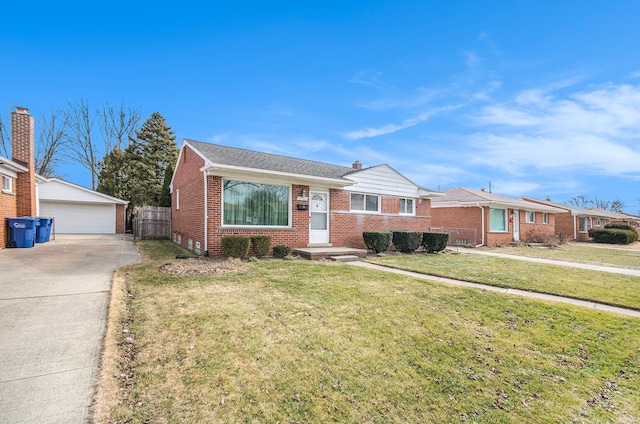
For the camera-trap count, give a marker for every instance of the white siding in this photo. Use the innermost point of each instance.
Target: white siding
(80, 218)
(382, 179)
(57, 190)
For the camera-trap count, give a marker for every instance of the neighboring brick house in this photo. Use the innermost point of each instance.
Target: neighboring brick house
(491, 219)
(75, 209)
(18, 195)
(575, 222)
(220, 190)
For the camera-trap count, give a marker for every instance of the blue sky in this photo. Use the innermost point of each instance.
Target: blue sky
(537, 98)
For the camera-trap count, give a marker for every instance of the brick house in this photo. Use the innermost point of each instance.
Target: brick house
(491, 219)
(219, 190)
(576, 222)
(24, 193)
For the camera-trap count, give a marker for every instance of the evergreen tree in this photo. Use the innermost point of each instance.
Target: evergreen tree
(152, 150)
(165, 195)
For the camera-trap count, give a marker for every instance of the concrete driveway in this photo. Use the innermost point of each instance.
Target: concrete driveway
(53, 306)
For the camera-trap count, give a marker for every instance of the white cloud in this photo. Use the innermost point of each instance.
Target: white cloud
(392, 128)
(595, 131)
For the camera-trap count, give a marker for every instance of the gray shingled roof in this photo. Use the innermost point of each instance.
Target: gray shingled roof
(225, 155)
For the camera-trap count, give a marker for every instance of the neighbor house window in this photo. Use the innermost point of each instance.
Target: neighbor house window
(497, 220)
(582, 224)
(545, 218)
(7, 186)
(255, 204)
(365, 202)
(597, 222)
(530, 217)
(178, 199)
(406, 206)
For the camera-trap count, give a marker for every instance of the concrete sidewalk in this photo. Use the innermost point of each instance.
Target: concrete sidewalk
(602, 268)
(517, 292)
(53, 306)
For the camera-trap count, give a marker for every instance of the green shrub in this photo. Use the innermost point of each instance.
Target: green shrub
(613, 235)
(434, 242)
(623, 226)
(261, 245)
(235, 246)
(377, 241)
(281, 251)
(407, 241)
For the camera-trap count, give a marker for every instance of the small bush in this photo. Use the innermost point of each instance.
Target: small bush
(377, 241)
(281, 251)
(434, 242)
(613, 236)
(261, 245)
(622, 226)
(236, 246)
(407, 241)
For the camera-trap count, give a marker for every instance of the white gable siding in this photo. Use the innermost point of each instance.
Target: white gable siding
(382, 180)
(55, 190)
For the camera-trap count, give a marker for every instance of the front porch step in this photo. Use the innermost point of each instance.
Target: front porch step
(316, 253)
(345, 258)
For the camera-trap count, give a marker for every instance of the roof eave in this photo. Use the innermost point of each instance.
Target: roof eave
(231, 171)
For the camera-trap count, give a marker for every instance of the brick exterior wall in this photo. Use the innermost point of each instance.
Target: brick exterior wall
(345, 227)
(7, 209)
(22, 144)
(120, 219)
(187, 200)
(471, 217)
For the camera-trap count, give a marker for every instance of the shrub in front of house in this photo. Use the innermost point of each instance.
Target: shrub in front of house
(434, 242)
(622, 226)
(407, 241)
(261, 245)
(281, 251)
(377, 241)
(613, 235)
(236, 246)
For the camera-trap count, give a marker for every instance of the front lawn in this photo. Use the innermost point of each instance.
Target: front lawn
(319, 342)
(613, 289)
(590, 253)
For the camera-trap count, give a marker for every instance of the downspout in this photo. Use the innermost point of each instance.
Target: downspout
(206, 216)
(482, 225)
(575, 228)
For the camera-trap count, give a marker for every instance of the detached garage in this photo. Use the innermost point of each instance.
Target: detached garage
(79, 210)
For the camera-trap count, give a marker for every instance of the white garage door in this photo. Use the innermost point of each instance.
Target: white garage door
(80, 218)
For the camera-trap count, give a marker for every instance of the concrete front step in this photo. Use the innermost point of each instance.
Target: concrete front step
(345, 258)
(316, 253)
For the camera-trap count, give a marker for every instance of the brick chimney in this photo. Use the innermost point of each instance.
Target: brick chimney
(357, 165)
(22, 151)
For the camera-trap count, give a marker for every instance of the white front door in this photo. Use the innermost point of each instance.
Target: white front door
(516, 225)
(318, 217)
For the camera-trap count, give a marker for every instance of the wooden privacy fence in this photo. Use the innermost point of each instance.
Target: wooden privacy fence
(152, 222)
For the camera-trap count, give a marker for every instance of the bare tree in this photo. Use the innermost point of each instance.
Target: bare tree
(117, 124)
(5, 141)
(581, 201)
(80, 136)
(617, 206)
(51, 142)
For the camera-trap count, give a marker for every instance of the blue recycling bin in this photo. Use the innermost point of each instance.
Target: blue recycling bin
(21, 231)
(43, 229)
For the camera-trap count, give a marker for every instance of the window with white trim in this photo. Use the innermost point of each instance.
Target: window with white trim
(365, 202)
(255, 204)
(498, 220)
(178, 199)
(545, 218)
(406, 207)
(7, 184)
(530, 217)
(598, 222)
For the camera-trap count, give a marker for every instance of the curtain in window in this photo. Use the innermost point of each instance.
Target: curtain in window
(497, 220)
(255, 204)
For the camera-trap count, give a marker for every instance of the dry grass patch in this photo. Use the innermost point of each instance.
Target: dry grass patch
(301, 341)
